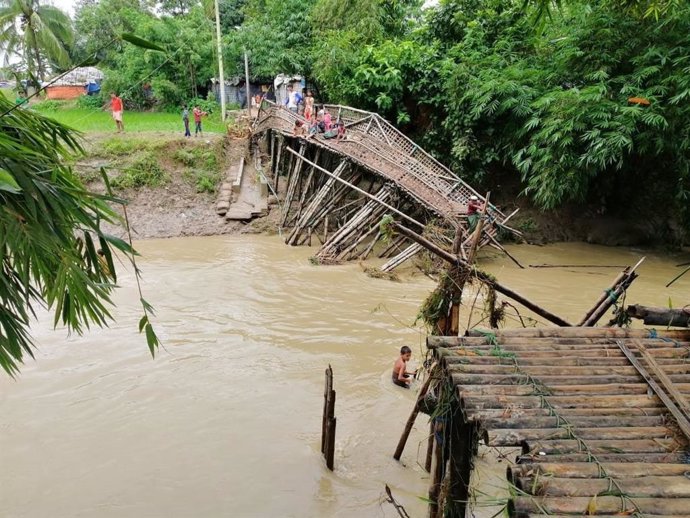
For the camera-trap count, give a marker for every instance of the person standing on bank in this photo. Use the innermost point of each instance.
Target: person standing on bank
(117, 109)
(185, 119)
(197, 120)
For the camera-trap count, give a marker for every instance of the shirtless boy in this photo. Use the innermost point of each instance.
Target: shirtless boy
(401, 377)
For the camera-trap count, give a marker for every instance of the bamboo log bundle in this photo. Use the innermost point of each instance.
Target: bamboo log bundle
(670, 457)
(540, 515)
(512, 412)
(516, 437)
(405, 255)
(647, 487)
(482, 402)
(666, 339)
(596, 446)
(368, 215)
(535, 422)
(524, 506)
(582, 332)
(592, 470)
(607, 389)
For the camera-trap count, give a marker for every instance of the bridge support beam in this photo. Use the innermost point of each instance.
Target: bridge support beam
(364, 220)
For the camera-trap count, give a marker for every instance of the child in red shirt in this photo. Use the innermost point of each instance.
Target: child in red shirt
(197, 120)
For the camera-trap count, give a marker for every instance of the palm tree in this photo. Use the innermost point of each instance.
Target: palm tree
(36, 32)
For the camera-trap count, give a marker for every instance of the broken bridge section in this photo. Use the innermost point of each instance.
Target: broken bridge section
(598, 418)
(338, 190)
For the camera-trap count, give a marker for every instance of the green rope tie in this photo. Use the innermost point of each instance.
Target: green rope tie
(613, 297)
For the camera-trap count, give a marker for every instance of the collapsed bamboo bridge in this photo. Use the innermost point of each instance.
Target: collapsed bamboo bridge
(600, 419)
(339, 190)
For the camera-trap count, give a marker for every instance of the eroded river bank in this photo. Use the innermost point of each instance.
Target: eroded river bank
(226, 420)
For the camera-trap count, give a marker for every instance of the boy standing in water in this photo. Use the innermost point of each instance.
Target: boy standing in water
(401, 377)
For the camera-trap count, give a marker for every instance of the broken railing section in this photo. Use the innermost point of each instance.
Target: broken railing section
(329, 420)
(456, 260)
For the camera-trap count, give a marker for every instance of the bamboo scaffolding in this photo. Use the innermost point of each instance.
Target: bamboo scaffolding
(294, 179)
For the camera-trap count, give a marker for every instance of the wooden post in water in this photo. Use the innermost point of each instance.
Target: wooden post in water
(329, 420)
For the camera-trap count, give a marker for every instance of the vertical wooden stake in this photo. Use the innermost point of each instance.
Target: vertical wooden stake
(329, 421)
(325, 229)
(429, 448)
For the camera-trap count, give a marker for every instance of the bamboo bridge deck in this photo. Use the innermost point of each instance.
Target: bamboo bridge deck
(600, 417)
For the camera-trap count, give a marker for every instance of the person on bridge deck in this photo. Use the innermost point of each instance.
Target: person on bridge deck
(474, 206)
(340, 126)
(313, 127)
(401, 377)
(299, 130)
(308, 106)
(293, 99)
(327, 122)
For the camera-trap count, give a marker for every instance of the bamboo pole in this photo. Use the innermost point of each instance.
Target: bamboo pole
(610, 296)
(314, 205)
(646, 487)
(524, 505)
(659, 316)
(575, 470)
(579, 333)
(293, 179)
(371, 246)
(664, 380)
(482, 276)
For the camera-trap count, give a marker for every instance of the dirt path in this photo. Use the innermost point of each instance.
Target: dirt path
(178, 206)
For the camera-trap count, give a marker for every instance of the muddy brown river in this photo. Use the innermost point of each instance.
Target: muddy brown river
(226, 420)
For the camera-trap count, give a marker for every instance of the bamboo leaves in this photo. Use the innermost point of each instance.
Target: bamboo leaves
(53, 251)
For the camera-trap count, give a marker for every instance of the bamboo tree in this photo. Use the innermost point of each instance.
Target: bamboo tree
(53, 250)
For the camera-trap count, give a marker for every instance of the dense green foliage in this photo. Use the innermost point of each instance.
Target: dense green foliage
(508, 95)
(533, 95)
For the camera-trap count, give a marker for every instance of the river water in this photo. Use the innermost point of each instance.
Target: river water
(226, 420)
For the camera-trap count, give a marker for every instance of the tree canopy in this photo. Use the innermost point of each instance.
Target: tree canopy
(37, 32)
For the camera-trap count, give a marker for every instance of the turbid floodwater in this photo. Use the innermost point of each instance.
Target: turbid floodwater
(226, 420)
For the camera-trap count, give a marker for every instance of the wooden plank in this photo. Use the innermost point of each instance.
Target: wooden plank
(681, 419)
(665, 381)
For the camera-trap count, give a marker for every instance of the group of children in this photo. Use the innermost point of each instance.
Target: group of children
(198, 114)
(319, 122)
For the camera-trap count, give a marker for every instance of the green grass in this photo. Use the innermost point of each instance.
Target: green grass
(86, 120)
